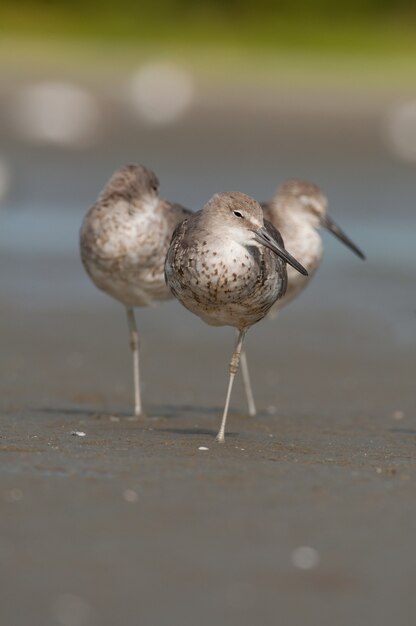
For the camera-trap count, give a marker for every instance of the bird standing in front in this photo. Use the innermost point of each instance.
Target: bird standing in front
(228, 266)
(124, 239)
(298, 210)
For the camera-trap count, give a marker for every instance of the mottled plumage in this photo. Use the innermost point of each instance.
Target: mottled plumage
(298, 211)
(228, 266)
(125, 236)
(222, 281)
(124, 239)
(295, 211)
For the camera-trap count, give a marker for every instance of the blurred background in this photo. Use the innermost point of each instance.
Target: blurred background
(212, 96)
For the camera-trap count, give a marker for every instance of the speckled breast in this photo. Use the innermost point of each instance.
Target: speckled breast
(125, 257)
(235, 286)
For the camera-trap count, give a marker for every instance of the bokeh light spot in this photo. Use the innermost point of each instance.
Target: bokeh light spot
(57, 113)
(401, 131)
(161, 93)
(305, 557)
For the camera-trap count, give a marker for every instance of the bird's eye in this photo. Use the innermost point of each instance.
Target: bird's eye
(238, 214)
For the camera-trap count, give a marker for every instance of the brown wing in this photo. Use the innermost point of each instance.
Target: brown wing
(175, 243)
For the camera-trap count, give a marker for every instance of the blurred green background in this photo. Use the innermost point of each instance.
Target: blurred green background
(313, 23)
(319, 36)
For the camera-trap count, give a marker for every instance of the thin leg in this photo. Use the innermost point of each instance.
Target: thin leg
(234, 363)
(247, 384)
(134, 344)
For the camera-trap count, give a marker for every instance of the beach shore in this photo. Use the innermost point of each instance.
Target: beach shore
(306, 514)
(135, 523)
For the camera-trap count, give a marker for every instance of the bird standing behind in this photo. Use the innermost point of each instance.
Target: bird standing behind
(228, 266)
(298, 210)
(124, 239)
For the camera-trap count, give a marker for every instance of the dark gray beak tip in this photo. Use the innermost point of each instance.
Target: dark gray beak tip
(292, 261)
(329, 224)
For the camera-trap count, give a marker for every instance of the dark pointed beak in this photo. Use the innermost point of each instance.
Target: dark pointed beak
(328, 223)
(263, 237)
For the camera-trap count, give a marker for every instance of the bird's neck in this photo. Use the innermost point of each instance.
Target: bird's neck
(300, 237)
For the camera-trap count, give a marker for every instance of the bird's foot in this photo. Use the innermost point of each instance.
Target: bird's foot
(137, 416)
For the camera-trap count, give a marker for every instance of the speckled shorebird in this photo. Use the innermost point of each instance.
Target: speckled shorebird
(298, 210)
(228, 266)
(124, 239)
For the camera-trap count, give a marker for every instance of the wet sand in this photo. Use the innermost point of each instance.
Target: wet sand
(134, 524)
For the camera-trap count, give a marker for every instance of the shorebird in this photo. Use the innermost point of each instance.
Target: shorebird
(124, 239)
(227, 265)
(298, 210)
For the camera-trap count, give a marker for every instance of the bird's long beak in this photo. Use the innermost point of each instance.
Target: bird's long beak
(328, 223)
(263, 237)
